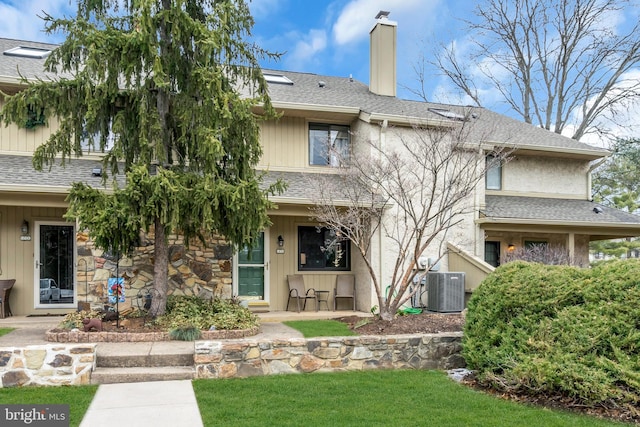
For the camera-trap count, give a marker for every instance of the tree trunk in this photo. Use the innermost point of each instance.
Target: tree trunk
(160, 269)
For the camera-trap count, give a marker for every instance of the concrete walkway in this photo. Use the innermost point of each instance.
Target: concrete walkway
(151, 404)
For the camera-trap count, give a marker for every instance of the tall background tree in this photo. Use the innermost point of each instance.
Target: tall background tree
(164, 77)
(616, 183)
(415, 191)
(559, 64)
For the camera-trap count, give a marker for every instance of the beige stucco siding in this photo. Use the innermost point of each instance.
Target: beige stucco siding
(546, 176)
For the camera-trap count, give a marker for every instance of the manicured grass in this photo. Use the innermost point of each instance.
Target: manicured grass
(5, 331)
(77, 397)
(321, 328)
(366, 398)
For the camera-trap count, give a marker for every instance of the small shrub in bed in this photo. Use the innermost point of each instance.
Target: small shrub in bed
(559, 331)
(192, 311)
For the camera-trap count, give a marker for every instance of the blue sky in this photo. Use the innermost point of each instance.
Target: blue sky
(331, 37)
(319, 36)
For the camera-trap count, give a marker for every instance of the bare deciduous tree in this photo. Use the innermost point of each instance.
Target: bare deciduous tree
(414, 190)
(554, 62)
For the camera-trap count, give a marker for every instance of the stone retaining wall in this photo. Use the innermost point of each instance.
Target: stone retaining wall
(77, 336)
(47, 365)
(246, 358)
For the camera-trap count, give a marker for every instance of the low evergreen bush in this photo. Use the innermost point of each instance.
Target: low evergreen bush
(558, 331)
(192, 311)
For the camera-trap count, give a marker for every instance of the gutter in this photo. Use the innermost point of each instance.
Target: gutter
(548, 222)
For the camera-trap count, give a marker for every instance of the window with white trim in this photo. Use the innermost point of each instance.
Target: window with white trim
(329, 145)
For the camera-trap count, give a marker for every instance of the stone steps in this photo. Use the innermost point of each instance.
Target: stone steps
(141, 374)
(141, 362)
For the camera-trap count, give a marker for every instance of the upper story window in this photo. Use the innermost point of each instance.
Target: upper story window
(28, 52)
(329, 145)
(493, 178)
(320, 248)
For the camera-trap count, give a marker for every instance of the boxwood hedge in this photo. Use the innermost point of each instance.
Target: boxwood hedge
(558, 331)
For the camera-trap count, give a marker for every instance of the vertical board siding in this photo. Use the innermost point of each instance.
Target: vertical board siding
(17, 256)
(284, 143)
(14, 138)
(287, 263)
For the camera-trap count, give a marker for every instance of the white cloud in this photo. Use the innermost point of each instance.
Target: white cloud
(307, 47)
(260, 9)
(20, 18)
(357, 17)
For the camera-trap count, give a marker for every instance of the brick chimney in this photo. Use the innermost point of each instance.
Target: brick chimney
(382, 55)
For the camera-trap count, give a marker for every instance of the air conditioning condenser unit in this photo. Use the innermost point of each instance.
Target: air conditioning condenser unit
(445, 292)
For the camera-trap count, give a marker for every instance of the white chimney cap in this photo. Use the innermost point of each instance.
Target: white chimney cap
(383, 14)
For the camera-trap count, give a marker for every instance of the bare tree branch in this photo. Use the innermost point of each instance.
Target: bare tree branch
(412, 190)
(554, 62)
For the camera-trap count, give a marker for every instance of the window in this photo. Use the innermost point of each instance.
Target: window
(329, 145)
(90, 142)
(35, 117)
(277, 78)
(536, 244)
(28, 52)
(447, 113)
(493, 178)
(320, 248)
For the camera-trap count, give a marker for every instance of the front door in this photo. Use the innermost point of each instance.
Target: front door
(54, 267)
(492, 253)
(251, 278)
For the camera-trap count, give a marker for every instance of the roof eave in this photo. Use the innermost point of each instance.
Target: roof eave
(583, 153)
(555, 223)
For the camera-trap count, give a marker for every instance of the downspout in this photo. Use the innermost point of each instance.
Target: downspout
(382, 143)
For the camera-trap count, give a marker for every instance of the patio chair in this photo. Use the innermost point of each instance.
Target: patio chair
(5, 292)
(345, 288)
(298, 291)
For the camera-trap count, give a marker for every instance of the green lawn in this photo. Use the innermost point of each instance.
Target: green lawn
(321, 328)
(77, 397)
(365, 398)
(5, 331)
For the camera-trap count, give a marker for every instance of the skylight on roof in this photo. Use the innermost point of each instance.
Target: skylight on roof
(277, 78)
(447, 113)
(28, 52)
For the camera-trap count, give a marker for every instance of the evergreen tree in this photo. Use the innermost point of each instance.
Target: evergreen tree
(617, 184)
(177, 83)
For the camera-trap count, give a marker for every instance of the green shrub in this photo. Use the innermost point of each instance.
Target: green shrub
(558, 330)
(185, 333)
(73, 320)
(185, 311)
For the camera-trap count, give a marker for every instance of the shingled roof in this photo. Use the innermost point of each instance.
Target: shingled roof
(552, 212)
(12, 68)
(491, 127)
(328, 91)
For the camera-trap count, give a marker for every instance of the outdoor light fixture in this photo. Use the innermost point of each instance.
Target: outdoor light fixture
(511, 247)
(280, 241)
(24, 228)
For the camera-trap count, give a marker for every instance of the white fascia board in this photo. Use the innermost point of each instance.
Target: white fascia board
(595, 153)
(404, 120)
(551, 222)
(49, 189)
(314, 107)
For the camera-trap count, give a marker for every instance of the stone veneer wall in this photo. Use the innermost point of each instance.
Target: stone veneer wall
(77, 336)
(193, 270)
(47, 365)
(246, 358)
